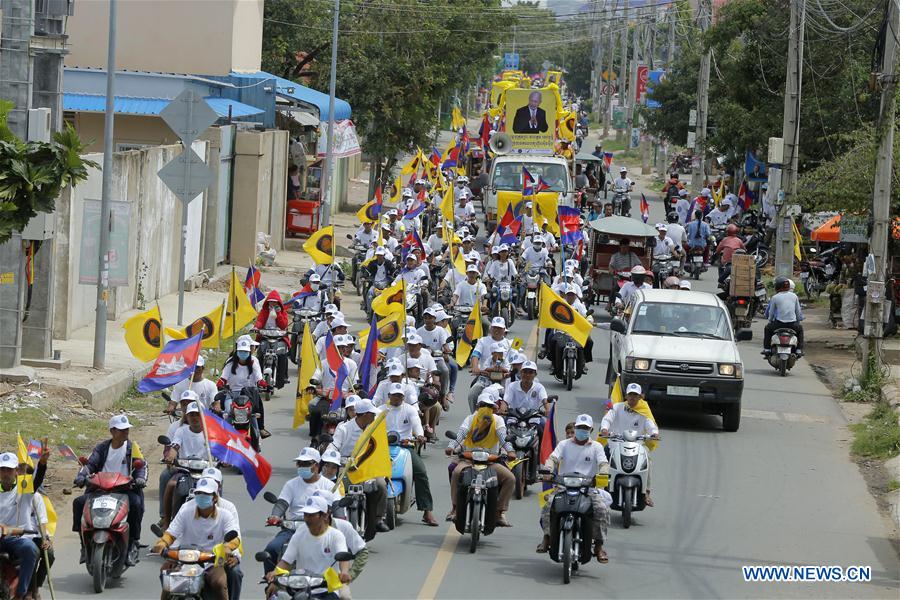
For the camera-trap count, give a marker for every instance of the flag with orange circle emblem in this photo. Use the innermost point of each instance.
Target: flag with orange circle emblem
(320, 246)
(558, 314)
(144, 334)
(210, 325)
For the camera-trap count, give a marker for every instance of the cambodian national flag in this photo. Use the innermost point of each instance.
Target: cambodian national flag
(548, 443)
(745, 196)
(415, 209)
(607, 159)
(338, 368)
(34, 449)
(369, 363)
(413, 241)
(527, 183)
(305, 292)
(645, 208)
(484, 132)
(435, 156)
(508, 227)
(452, 158)
(232, 448)
(175, 363)
(541, 185)
(569, 226)
(251, 286)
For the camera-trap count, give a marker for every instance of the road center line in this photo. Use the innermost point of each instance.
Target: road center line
(439, 567)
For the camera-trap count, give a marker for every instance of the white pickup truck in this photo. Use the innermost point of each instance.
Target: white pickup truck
(506, 175)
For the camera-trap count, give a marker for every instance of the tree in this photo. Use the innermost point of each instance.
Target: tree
(32, 174)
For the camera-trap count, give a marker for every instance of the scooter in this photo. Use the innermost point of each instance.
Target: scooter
(186, 581)
(189, 471)
(104, 526)
(504, 304)
(298, 584)
(629, 464)
(783, 355)
(9, 571)
(477, 495)
(241, 416)
(522, 427)
(571, 523)
(400, 486)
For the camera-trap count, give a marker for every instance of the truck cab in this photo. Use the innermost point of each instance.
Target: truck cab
(506, 176)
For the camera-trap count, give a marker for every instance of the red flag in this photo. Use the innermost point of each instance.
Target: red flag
(232, 448)
(645, 208)
(745, 196)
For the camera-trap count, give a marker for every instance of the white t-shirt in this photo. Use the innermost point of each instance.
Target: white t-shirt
(574, 458)
(622, 184)
(483, 346)
(225, 505)
(244, 375)
(381, 392)
(115, 460)
(205, 389)
(620, 418)
(355, 543)
(677, 234)
(663, 246)
(717, 217)
(345, 437)
(467, 292)
(314, 554)
(190, 444)
(9, 507)
(191, 530)
(296, 491)
(501, 270)
(533, 258)
(532, 399)
(434, 339)
(403, 419)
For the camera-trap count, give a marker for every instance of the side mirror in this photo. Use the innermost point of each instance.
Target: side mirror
(164, 440)
(349, 237)
(166, 396)
(590, 313)
(261, 556)
(270, 497)
(343, 556)
(231, 536)
(618, 325)
(450, 435)
(744, 335)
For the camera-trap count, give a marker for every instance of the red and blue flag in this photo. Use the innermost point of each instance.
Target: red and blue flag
(745, 196)
(484, 132)
(508, 227)
(305, 292)
(175, 363)
(569, 226)
(548, 443)
(607, 159)
(645, 208)
(369, 364)
(338, 368)
(232, 448)
(251, 286)
(435, 156)
(415, 209)
(34, 449)
(66, 452)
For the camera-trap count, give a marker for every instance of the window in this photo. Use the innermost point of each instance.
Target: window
(680, 320)
(508, 176)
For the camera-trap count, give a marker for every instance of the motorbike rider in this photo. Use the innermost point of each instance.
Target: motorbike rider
(324, 326)
(338, 327)
(783, 311)
(675, 231)
(118, 455)
(188, 442)
(355, 544)
(582, 455)
(504, 476)
(624, 185)
(534, 257)
(470, 291)
(683, 207)
(203, 526)
(272, 315)
(329, 274)
(663, 245)
(313, 302)
(345, 437)
(671, 283)
(638, 276)
(720, 214)
(292, 499)
(671, 189)
(330, 465)
(623, 416)
(204, 388)
(436, 339)
(365, 235)
(312, 548)
(729, 244)
(15, 514)
(698, 233)
(502, 270)
(403, 418)
(479, 361)
(465, 211)
(395, 374)
(527, 392)
(242, 375)
(554, 340)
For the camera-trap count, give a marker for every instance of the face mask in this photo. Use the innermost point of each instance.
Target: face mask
(203, 500)
(582, 434)
(243, 354)
(305, 472)
(276, 308)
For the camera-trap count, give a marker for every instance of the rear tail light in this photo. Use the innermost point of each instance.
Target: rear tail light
(785, 339)
(742, 301)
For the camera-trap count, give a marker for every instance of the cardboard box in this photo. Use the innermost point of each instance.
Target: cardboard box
(743, 275)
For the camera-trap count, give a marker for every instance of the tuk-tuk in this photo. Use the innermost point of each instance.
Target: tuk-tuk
(606, 234)
(592, 167)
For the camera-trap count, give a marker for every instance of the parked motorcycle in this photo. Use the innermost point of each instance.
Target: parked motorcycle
(477, 495)
(400, 486)
(629, 464)
(186, 581)
(783, 355)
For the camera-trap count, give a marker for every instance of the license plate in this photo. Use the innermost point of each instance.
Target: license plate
(104, 503)
(696, 259)
(681, 390)
(741, 311)
(804, 275)
(783, 350)
(530, 295)
(760, 293)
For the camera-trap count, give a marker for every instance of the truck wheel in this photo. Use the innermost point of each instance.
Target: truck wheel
(731, 417)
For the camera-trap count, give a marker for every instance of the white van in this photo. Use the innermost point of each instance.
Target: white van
(506, 175)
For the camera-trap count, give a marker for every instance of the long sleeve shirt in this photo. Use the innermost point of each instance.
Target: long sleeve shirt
(784, 307)
(621, 418)
(499, 427)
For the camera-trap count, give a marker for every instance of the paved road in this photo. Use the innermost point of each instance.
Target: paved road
(781, 491)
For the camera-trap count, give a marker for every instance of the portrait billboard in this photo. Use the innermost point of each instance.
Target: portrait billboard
(531, 120)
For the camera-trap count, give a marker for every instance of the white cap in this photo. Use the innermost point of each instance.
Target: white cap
(528, 204)
(442, 315)
(536, 240)
(8, 460)
(685, 284)
(571, 263)
(213, 473)
(529, 365)
(638, 270)
(315, 505)
(682, 192)
(193, 407)
(119, 422)
(414, 338)
(472, 269)
(504, 247)
(430, 311)
(484, 398)
(189, 395)
(338, 321)
(584, 421)
(622, 169)
(331, 309)
(351, 399)
(397, 388)
(498, 322)
(206, 485)
(517, 358)
(498, 347)
(247, 338)
(314, 277)
(200, 360)
(364, 406)
(380, 251)
(343, 340)
(495, 250)
(395, 369)
(331, 456)
(308, 454)
(413, 363)
(243, 345)
(706, 192)
(327, 495)
(662, 227)
(633, 388)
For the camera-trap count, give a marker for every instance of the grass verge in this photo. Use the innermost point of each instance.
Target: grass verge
(879, 435)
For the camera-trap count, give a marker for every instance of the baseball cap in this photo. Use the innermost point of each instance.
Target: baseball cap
(633, 388)
(213, 473)
(193, 407)
(498, 322)
(430, 311)
(503, 247)
(364, 406)
(343, 340)
(314, 505)
(120, 422)
(200, 360)
(314, 278)
(706, 192)
(189, 395)
(584, 421)
(351, 399)
(517, 358)
(338, 321)
(331, 309)
(308, 454)
(207, 485)
(638, 270)
(662, 227)
(682, 192)
(495, 250)
(249, 339)
(243, 345)
(486, 399)
(685, 284)
(331, 456)
(380, 251)
(395, 369)
(8, 460)
(529, 365)
(442, 315)
(623, 169)
(498, 347)
(397, 388)
(413, 363)
(414, 338)
(472, 269)
(326, 495)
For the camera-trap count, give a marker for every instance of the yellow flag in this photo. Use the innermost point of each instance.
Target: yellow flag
(459, 263)
(332, 579)
(642, 408)
(390, 331)
(22, 452)
(52, 518)
(398, 189)
(471, 335)
(413, 165)
(143, 334)
(238, 309)
(558, 314)
(457, 121)
(210, 324)
(483, 430)
(371, 458)
(320, 246)
(447, 206)
(309, 362)
(544, 205)
(390, 300)
(368, 214)
(797, 252)
(544, 495)
(24, 484)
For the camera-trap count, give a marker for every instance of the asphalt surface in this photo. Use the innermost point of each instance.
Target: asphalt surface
(781, 491)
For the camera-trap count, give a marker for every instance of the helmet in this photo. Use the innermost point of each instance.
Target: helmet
(671, 281)
(638, 270)
(732, 229)
(672, 217)
(739, 251)
(781, 283)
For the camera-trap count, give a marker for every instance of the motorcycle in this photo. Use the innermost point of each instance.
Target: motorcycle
(104, 526)
(298, 584)
(570, 371)
(783, 355)
(241, 416)
(187, 580)
(621, 204)
(533, 279)
(629, 464)
(694, 264)
(400, 486)
(360, 509)
(477, 495)
(458, 323)
(9, 571)
(522, 427)
(571, 523)
(302, 317)
(188, 471)
(284, 524)
(664, 266)
(504, 302)
(273, 347)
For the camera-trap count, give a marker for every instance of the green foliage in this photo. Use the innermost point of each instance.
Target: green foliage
(879, 435)
(32, 174)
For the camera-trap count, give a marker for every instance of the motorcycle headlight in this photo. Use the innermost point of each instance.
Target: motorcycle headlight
(188, 556)
(572, 481)
(730, 370)
(480, 456)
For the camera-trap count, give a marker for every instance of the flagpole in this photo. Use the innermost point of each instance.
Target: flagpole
(233, 298)
(43, 532)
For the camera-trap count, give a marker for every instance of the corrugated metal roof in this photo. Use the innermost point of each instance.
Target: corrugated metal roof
(129, 105)
(289, 89)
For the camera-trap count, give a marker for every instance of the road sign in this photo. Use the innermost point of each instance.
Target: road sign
(188, 115)
(511, 60)
(692, 118)
(692, 140)
(186, 175)
(607, 88)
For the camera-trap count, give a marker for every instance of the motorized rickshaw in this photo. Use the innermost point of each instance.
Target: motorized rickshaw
(606, 235)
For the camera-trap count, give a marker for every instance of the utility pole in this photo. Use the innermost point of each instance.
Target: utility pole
(881, 197)
(610, 62)
(704, 14)
(784, 231)
(670, 52)
(632, 74)
(327, 184)
(623, 65)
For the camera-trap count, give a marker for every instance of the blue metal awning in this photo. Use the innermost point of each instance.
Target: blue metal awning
(294, 91)
(130, 105)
